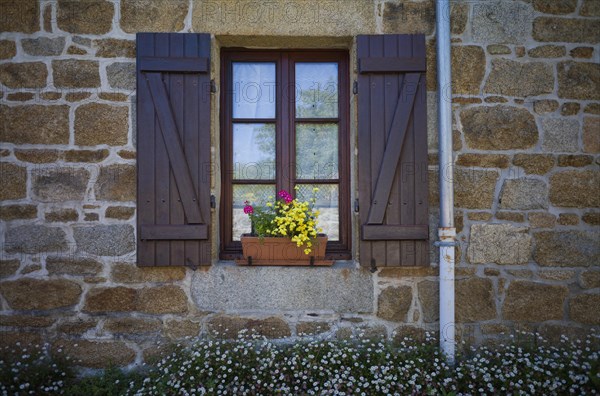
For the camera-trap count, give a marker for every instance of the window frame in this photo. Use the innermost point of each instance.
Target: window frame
(285, 121)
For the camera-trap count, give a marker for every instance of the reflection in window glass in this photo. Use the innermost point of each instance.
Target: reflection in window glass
(254, 151)
(317, 151)
(257, 195)
(328, 205)
(254, 90)
(316, 90)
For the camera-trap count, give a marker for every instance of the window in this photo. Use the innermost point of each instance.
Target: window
(284, 124)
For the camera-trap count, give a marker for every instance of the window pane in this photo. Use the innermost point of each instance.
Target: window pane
(257, 195)
(317, 151)
(254, 151)
(254, 90)
(328, 205)
(316, 90)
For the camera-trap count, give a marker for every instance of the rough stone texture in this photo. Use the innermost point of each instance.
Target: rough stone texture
(468, 64)
(468, 180)
(222, 288)
(533, 302)
(499, 128)
(85, 17)
(162, 299)
(72, 266)
(10, 338)
(429, 299)
(376, 333)
(592, 218)
(522, 79)
(37, 156)
(568, 219)
(43, 46)
(74, 73)
(524, 194)
(130, 273)
(570, 108)
(499, 244)
(475, 300)
(20, 96)
(8, 49)
(555, 6)
(76, 327)
(95, 354)
(311, 328)
(14, 181)
(538, 164)
(91, 217)
(121, 75)
(8, 268)
(560, 135)
(547, 51)
(542, 220)
(228, 327)
(409, 332)
(62, 215)
(501, 22)
(59, 184)
(101, 124)
(36, 294)
(86, 155)
(575, 161)
(590, 279)
(177, 329)
(557, 275)
(584, 308)
(483, 160)
(566, 30)
(545, 106)
(77, 96)
(582, 52)
(132, 325)
(459, 15)
(113, 97)
(34, 239)
(105, 240)
(50, 95)
(74, 50)
(119, 212)
(115, 48)
(23, 75)
(153, 15)
(26, 321)
(498, 49)
(566, 248)
(116, 183)
(110, 299)
(575, 189)
(590, 8)
(13, 212)
(394, 302)
(409, 17)
(591, 135)
(517, 217)
(579, 80)
(479, 216)
(20, 16)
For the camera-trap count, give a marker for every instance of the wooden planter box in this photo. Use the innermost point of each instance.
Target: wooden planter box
(282, 251)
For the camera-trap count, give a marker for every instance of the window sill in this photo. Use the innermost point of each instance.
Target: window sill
(337, 264)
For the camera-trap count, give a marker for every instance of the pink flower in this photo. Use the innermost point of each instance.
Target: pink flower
(286, 196)
(248, 209)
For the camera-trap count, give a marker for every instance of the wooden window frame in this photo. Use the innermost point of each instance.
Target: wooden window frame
(285, 138)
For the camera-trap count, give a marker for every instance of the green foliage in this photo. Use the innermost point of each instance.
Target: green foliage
(113, 381)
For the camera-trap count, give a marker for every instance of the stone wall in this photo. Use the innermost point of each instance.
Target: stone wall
(526, 83)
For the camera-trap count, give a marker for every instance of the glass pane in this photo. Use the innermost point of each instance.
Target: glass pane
(254, 151)
(257, 195)
(328, 205)
(254, 90)
(316, 90)
(317, 151)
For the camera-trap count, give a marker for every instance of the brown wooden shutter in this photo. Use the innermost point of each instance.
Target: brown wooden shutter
(392, 150)
(173, 149)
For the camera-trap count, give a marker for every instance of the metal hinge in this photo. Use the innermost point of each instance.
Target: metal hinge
(355, 87)
(213, 86)
(213, 202)
(356, 206)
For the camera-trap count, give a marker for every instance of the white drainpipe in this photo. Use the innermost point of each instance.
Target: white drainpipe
(446, 230)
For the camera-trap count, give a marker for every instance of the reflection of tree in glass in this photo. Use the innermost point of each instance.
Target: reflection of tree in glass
(261, 169)
(317, 151)
(319, 101)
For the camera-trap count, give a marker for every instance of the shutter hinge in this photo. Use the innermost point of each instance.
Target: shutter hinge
(213, 86)
(190, 264)
(355, 87)
(373, 266)
(213, 202)
(356, 206)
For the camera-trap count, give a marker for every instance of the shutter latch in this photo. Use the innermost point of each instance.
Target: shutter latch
(213, 86)
(355, 87)
(213, 202)
(356, 206)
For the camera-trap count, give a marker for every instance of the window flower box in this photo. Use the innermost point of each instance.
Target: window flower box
(282, 251)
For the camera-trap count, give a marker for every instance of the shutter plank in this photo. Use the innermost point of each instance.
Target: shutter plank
(394, 232)
(391, 64)
(174, 63)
